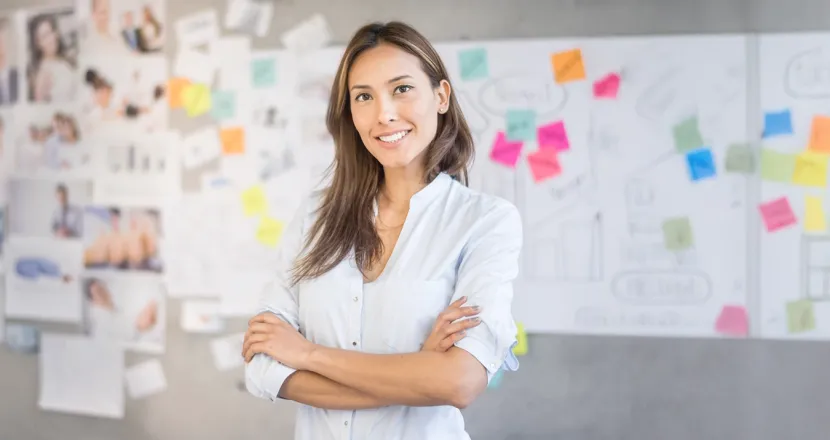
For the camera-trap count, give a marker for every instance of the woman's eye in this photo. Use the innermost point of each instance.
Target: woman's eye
(361, 97)
(403, 89)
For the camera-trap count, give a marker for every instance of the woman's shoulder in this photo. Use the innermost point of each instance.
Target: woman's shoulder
(478, 204)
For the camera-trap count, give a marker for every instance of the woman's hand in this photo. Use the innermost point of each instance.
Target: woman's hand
(272, 336)
(446, 332)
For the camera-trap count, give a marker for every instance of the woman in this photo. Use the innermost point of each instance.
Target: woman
(369, 265)
(52, 74)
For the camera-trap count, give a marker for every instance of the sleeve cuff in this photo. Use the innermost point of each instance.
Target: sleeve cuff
(488, 357)
(264, 377)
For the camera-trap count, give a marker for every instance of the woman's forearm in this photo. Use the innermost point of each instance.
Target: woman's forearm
(312, 389)
(424, 378)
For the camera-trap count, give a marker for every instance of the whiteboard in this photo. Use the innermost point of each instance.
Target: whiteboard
(595, 259)
(794, 263)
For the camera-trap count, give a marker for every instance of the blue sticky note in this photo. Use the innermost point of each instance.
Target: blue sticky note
(496, 380)
(778, 123)
(264, 72)
(223, 105)
(473, 64)
(521, 125)
(701, 164)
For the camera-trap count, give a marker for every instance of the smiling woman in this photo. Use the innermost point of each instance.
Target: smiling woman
(394, 285)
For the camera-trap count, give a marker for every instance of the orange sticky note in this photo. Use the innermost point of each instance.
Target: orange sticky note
(820, 135)
(233, 140)
(568, 66)
(174, 91)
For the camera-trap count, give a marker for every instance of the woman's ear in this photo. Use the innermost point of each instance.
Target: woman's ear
(443, 93)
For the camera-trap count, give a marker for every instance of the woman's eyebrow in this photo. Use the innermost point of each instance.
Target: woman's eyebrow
(397, 78)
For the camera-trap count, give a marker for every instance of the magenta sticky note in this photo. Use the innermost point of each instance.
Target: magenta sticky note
(732, 321)
(544, 164)
(607, 86)
(506, 152)
(553, 136)
(777, 214)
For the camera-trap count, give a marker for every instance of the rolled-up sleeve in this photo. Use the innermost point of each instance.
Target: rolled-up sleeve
(263, 375)
(488, 266)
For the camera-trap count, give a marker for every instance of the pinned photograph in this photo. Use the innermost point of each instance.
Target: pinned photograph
(42, 279)
(48, 209)
(6, 151)
(122, 240)
(10, 76)
(48, 141)
(124, 93)
(118, 28)
(127, 308)
(52, 43)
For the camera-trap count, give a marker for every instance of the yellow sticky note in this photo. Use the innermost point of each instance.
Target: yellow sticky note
(810, 169)
(814, 219)
(269, 231)
(254, 201)
(196, 99)
(521, 340)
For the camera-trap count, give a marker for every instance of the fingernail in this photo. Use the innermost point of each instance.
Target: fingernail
(462, 333)
(476, 308)
(477, 320)
(464, 298)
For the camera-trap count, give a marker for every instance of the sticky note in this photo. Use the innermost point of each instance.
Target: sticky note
(607, 86)
(814, 218)
(521, 125)
(568, 66)
(175, 87)
(495, 381)
(810, 169)
(820, 134)
(196, 99)
(701, 164)
(520, 349)
(254, 201)
(687, 135)
(778, 123)
(739, 159)
(269, 231)
(732, 321)
(264, 72)
(776, 166)
(544, 164)
(777, 214)
(554, 136)
(506, 152)
(800, 316)
(233, 140)
(224, 105)
(473, 64)
(677, 234)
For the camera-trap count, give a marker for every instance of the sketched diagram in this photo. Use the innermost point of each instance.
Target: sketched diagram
(572, 251)
(815, 268)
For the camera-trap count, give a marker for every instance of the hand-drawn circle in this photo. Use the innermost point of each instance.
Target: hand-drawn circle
(523, 90)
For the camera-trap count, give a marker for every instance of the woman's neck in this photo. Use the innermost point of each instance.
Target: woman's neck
(400, 185)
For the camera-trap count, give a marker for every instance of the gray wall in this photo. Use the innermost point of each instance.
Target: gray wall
(569, 387)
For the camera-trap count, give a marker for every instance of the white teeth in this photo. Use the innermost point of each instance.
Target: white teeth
(393, 137)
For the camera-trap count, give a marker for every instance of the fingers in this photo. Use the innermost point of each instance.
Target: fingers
(254, 349)
(460, 326)
(260, 327)
(459, 301)
(449, 341)
(455, 314)
(251, 341)
(266, 317)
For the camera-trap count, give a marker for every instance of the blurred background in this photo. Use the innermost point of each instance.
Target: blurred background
(669, 159)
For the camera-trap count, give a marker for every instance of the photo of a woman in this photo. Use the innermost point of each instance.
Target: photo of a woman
(49, 140)
(52, 47)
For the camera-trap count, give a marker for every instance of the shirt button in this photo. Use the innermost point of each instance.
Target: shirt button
(492, 365)
(355, 299)
(346, 423)
(354, 343)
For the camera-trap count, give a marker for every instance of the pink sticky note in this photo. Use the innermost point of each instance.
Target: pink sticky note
(607, 86)
(553, 136)
(544, 164)
(732, 321)
(777, 214)
(506, 152)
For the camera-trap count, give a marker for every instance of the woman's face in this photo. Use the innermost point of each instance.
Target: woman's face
(65, 130)
(101, 15)
(99, 295)
(102, 96)
(47, 39)
(394, 107)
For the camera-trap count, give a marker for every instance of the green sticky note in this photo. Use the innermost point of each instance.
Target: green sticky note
(521, 125)
(224, 105)
(677, 234)
(264, 72)
(800, 316)
(687, 135)
(739, 159)
(777, 167)
(473, 64)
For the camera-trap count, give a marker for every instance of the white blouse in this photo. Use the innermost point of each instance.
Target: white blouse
(455, 242)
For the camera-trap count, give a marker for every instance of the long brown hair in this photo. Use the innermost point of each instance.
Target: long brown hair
(345, 216)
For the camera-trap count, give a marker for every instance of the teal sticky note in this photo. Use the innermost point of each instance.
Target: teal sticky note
(496, 380)
(687, 135)
(473, 64)
(264, 72)
(521, 125)
(223, 105)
